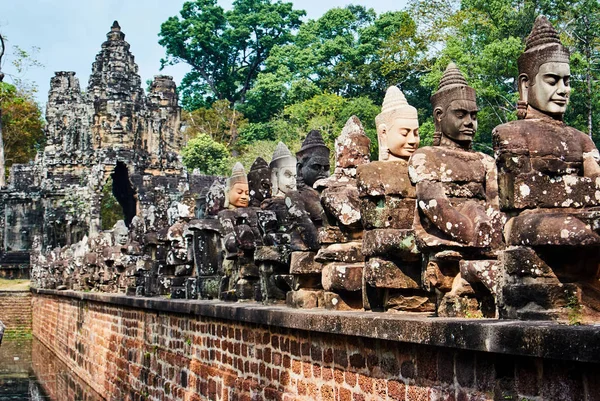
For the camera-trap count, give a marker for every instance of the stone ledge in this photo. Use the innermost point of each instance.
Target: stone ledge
(536, 339)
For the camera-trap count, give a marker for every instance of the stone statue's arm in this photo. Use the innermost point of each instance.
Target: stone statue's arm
(591, 168)
(491, 181)
(433, 202)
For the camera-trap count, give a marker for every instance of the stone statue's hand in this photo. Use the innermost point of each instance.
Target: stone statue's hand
(590, 165)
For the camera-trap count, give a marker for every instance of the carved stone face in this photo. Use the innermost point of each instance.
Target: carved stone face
(549, 90)
(286, 179)
(238, 195)
(403, 137)
(121, 236)
(459, 121)
(314, 168)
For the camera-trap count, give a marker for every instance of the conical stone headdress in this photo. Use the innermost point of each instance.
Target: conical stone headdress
(238, 174)
(259, 164)
(541, 46)
(313, 145)
(453, 86)
(282, 157)
(395, 106)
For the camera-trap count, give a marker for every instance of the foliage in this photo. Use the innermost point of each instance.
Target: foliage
(226, 49)
(110, 209)
(349, 52)
(220, 121)
(207, 155)
(22, 124)
(260, 148)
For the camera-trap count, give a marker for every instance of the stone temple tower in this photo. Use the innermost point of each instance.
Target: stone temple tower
(112, 132)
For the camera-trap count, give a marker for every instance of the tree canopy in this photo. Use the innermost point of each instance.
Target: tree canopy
(226, 49)
(315, 74)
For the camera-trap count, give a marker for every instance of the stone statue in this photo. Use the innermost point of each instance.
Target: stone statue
(457, 194)
(259, 182)
(313, 160)
(237, 188)
(283, 171)
(547, 183)
(397, 127)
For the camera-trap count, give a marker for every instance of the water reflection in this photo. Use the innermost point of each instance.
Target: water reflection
(31, 372)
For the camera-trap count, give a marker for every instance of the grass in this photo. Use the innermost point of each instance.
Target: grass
(14, 285)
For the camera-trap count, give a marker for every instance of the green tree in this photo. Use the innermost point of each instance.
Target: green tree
(226, 49)
(207, 155)
(22, 124)
(220, 121)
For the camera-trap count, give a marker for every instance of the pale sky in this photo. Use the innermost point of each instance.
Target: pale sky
(69, 32)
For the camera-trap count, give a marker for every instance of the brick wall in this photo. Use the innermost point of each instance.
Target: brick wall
(15, 311)
(141, 353)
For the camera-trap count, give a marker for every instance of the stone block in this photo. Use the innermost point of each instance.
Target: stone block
(401, 300)
(533, 190)
(391, 242)
(443, 164)
(549, 228)
(383, 273)
(277, 253)
(334, 234)
(525, 262)
(334, 301)
(178, 292)
(348, 252)
(191, 288)
(537, 297)
(487, 272)
(381, 178)
(342, 203)
(342, 277)
(440, 274)
(304, 263)
(387, 212)
(305, 299)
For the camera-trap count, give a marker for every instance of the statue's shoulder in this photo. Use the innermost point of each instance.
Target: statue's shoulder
(512, 134)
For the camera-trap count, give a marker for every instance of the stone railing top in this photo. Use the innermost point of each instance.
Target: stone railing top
(538, 339)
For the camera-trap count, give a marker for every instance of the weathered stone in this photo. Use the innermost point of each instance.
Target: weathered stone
(305, 299)
(440, 275)
(342, 276)
(484, 271)
(341, 202)
(396, 300)
(352, 145)
(383, 273)
(333, 234)
(334, 301)
(542, 228)
(278, 254)
(388, 242)
(385, 178)
(304, 263)
(341, 252)
(387, 212)
(209, 287)
(525, 262)
(544, 191)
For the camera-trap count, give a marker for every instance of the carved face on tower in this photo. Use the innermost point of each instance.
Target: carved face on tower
(397, 127)
(237, 188)
(120, 233)
(313, 159)
(283, 170)
(544, 72)
(454, 110)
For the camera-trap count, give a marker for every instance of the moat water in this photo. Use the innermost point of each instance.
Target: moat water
(31, 372)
